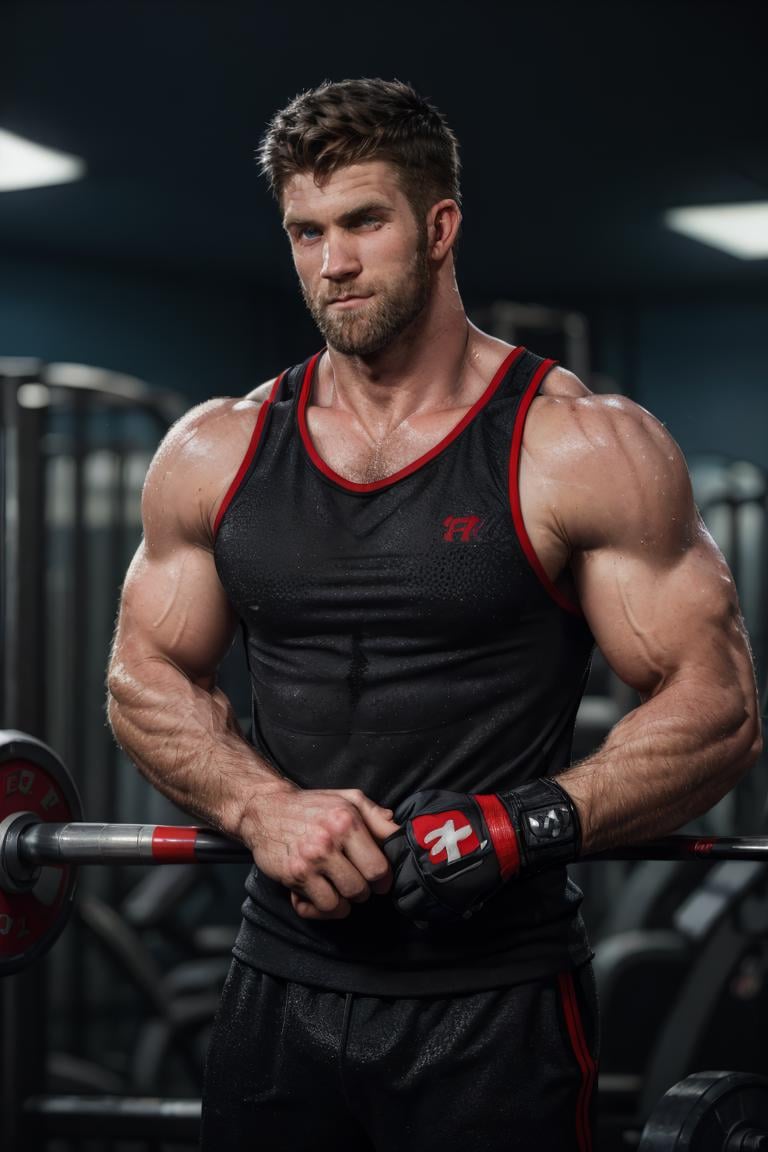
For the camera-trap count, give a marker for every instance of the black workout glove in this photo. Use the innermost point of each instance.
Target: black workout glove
(454, 851)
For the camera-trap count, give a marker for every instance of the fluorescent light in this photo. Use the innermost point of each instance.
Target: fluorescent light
(24, 164)
(739, 229)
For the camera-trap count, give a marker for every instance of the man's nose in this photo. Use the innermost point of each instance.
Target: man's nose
(340, 260)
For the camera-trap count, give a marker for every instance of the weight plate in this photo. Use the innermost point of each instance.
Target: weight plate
(709, 1112)
(34, 780)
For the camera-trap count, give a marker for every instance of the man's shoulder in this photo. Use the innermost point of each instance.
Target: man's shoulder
(215, 419)
(263, 391)
(612, 467)
(560, 382)
(569, 419)
(217, 427)
(200, 456)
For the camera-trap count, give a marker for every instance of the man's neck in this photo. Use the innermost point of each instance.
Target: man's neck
(424, 370)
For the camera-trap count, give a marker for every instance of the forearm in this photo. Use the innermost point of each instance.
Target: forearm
(664, 764)
(186, 740)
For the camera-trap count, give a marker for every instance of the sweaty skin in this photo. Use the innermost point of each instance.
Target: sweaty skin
(607, 503)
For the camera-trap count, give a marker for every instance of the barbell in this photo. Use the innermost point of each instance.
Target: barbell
(42, 840)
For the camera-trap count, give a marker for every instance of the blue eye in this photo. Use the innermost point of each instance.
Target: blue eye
(308, 232)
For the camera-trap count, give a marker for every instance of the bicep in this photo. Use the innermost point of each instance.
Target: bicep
(659, 617)
(174, 609)
(651, 581)
(173, 606)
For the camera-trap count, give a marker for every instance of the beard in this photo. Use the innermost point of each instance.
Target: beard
(380, 320)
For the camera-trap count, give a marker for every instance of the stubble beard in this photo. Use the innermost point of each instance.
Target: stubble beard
(381, 320)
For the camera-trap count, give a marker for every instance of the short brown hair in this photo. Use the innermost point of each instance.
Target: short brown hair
(353, 121)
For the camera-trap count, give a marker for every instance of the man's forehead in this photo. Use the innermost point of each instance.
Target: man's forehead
(374, 179)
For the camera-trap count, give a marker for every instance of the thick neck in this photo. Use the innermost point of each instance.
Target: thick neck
(425, 369)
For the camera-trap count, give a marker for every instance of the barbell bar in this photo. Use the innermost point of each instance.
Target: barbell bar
(38, 843)
(42, 840)
(29, 843)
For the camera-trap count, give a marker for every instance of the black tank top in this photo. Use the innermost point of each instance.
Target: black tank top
(403, 635)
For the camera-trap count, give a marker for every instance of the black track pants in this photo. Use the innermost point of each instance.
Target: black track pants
(299, 1069)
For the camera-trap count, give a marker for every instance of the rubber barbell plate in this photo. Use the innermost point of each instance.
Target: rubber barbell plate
(709, 1112)
(34, 780)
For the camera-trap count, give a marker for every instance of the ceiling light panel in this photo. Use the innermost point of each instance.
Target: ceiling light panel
(24, 164)
(739, 229)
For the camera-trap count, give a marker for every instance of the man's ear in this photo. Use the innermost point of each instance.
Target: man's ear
(443, 223)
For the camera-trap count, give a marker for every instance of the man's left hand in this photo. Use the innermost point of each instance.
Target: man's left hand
(455, 850)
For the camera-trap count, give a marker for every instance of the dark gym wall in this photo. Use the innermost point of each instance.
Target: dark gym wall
(199, 335)
(579, 125)
(702, 368)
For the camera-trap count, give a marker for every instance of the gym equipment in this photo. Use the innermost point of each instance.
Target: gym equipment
(34, 786)
(41, 839)
(711, 1018)
(707, 999)
(710, 1112)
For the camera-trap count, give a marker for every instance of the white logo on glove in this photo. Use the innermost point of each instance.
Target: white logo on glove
(551, 826)
(447, 839)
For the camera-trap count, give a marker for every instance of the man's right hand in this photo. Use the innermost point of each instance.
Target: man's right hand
(323, 845)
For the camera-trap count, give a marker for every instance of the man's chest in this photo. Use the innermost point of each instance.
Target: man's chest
(355, 458)
(368, 457)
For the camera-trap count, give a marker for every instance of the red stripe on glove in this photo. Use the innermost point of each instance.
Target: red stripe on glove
(502, 833)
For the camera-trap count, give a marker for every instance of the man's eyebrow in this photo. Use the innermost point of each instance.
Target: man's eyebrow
(371, 207)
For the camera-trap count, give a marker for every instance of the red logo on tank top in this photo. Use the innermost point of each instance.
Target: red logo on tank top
(447, 836)
(462, 528)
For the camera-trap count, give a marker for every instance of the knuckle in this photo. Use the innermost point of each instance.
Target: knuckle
(298, 874)
(377, 872)
(322, 844)
(343, 820)
(314, 851)
(360, 893)
(326, 901)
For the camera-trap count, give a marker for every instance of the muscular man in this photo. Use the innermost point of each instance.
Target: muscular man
(420, 531)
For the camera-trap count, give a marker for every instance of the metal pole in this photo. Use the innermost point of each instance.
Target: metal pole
(682, 847)
(118, 1117)
(79, 843)
(125, 844)
(23, 995)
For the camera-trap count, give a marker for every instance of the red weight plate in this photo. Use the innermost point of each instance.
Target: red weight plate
(32, 779)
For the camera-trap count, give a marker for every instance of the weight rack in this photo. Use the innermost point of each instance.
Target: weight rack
(34, 396)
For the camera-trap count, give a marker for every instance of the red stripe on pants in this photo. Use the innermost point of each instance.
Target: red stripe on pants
(582, 1053)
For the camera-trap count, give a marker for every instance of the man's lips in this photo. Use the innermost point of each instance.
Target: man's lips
(346, 301)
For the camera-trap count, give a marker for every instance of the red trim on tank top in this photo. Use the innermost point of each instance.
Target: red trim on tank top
(409, 469)
(249, 455)
(514, 491)
(586, 1063)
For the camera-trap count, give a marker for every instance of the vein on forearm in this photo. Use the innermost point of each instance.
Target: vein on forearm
(186, 740)
(663, 764)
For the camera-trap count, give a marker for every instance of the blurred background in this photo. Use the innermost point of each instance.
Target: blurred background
(151, 273)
